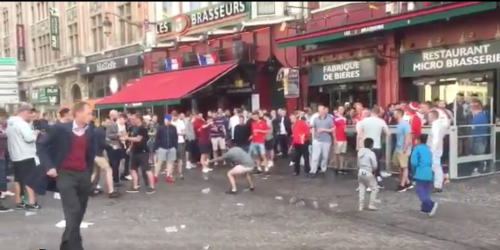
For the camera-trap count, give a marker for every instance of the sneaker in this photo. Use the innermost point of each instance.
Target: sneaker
(270, 164)
(385, 174)
(33, 207)
(410, 186)
(437, 190)
(291, 164)
(128, 177)
(114, 195)
(133, 190)
(368, 189)
(169, 179)
(150, 190)
(401, 189)
(189, 165)
(20, 206)
(379, 179)
(434, 209)
(372, 208)
(231, 192)
(206, 170)
(380, 186)
(361, 208)
(4, 209)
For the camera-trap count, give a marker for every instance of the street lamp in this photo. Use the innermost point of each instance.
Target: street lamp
(107, 26)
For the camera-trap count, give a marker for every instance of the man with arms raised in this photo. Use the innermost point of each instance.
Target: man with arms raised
(68, 153)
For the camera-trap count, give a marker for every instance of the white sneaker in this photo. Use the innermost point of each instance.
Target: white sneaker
(291, 164)
(361, 207)
(216, 163)
(207, 170)
(368, 190)
(385, 174)
(8, 193)
(270, 164)
(57, 196)
(128, 177)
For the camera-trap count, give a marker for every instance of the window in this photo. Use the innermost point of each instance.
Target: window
(266, 8)
(19, 14)
(190, 6)
(126, 29)
(32, 14)
(97, 32)
(333, 4)
(6, 52)
(34, 51)
(5, 18)
(70, 4)
(168, 9)
(73, 39)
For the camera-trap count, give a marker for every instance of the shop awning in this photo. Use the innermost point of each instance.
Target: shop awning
(411, 18)
(166, 87)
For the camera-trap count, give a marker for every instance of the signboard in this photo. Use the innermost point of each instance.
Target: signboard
(9, 87)
(21, 46)
(180, 24)
(112, 64)
(54, 28)
(290, 78)
(470, 57)
(218, 12)
(47, 95)
(343, 72)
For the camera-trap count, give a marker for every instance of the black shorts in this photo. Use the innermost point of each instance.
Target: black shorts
(204, 148)
(140, 160)
(23, 169)
(269, 144)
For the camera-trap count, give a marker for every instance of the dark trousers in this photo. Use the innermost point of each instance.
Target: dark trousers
(301, 151)
(282, 141)
(126, 168)
(410, 170)
(114, 162)
(424, 191)
(74, 188)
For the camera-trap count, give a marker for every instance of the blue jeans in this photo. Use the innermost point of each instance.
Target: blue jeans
(424, 191)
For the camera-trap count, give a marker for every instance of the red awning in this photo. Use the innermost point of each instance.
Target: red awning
(166, 87)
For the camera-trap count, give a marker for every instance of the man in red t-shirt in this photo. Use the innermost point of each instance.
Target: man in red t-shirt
(300, 142)
(340, 146)
(202, 132)
(258, 130)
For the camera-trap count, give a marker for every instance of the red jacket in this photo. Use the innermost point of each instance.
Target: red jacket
(415, 126)
(299, 129)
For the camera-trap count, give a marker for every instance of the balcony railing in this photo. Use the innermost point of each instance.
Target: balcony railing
(363, 12)
(242, 52)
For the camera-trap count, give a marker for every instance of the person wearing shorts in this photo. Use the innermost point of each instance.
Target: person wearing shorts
(102, 162)
(181, 142)
(402, 149)
(340, 143)
(166, 148)
(243, 165)
(202, 131)
(218, 135)
(21, 141)
(139, 155)
(257, 149)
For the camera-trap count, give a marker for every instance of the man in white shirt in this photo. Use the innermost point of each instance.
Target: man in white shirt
(235, 120)
(372, 127)
(181, 142)
(435, 143)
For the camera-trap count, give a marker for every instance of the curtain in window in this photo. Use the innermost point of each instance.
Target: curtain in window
(167, 9)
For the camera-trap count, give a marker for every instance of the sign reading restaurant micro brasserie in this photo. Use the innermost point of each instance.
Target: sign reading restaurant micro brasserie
(449, 60)
(343, 72)
(180, 23)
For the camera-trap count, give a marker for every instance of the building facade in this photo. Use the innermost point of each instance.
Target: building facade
(230, 31)
(61, 47)
(380, 53)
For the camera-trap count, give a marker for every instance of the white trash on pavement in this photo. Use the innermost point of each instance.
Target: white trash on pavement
(172, 229)
(205, 190)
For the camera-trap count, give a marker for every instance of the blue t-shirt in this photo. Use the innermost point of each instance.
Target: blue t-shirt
(402, 129)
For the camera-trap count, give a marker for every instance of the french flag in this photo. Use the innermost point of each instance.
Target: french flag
(172, 64)
(208, 59)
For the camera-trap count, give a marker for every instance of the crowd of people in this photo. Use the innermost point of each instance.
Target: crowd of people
(60, 155)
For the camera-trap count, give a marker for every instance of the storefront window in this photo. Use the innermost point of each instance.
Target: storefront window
(99, 84)
(447, 89)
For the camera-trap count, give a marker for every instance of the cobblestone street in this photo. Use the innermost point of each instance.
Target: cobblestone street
(284, 212)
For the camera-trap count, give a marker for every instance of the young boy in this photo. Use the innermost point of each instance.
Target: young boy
(367, 163)
(421, 163)
(243, 165)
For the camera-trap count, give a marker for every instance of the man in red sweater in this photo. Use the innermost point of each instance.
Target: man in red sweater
(416, 129)
(68, 152)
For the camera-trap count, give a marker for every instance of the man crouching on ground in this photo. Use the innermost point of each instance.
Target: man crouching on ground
(243, 165)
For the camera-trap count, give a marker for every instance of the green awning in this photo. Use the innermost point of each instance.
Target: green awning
(403, 20)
